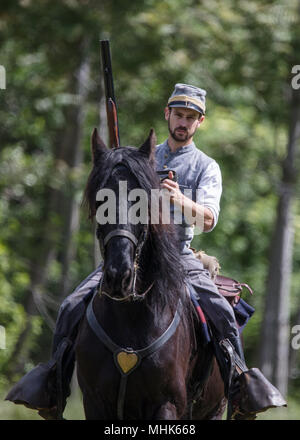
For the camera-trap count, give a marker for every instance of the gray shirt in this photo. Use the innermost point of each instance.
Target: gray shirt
(199, 178)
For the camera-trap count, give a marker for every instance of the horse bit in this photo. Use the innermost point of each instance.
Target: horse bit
(139, 243)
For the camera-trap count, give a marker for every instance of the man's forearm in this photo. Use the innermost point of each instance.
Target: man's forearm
(199, 213)
(194, 212)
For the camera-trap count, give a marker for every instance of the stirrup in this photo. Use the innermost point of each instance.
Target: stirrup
(236, 364)
(256, 395)
(234, 358)
(249, 392)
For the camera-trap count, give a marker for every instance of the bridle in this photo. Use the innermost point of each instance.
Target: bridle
(139, 243)
(128, 359)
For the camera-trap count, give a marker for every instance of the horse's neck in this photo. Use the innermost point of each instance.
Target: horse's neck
(145, 274)
(131, 324)
(165, 292)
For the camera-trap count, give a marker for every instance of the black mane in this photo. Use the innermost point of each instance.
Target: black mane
(162, 247)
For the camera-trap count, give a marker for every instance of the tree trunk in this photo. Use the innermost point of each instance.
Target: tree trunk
(72, 158)
(274, 350)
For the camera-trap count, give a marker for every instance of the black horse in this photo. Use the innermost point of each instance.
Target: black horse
(139, 350)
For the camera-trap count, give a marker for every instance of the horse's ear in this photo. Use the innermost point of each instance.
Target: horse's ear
(98, 146)
(149, 146)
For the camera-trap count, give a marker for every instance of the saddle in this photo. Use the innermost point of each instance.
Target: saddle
(228, 287)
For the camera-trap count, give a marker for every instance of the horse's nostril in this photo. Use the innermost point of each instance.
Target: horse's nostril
(110, 275)
(117, 280)
(126, 279)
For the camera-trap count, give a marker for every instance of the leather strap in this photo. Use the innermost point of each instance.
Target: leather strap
(106, 340)
(165, 336)
(115, 349)
(98, 330)
(234, 362)
(120, 233)
(121, 397)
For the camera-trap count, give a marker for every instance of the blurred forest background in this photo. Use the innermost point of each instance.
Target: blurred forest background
(243, 54)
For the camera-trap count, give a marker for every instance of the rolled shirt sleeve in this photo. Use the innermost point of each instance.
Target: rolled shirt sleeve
(209, 190)
(199, 178)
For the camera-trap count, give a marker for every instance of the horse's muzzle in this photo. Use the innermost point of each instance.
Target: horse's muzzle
(117, 281)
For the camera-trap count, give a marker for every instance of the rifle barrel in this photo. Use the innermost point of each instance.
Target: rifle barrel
(107, 70)
(109, 91)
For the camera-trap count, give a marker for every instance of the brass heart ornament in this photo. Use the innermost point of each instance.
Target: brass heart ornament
(127, 361)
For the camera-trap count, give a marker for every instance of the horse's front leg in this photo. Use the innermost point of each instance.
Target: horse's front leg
(167, 411)
(94, 409)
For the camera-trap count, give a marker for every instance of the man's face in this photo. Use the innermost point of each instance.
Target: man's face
(182, 122)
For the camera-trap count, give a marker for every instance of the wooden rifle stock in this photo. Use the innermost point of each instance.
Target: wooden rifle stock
(111, 108)
(112, 121)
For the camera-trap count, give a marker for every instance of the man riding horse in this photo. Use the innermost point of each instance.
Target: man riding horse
(248, 391)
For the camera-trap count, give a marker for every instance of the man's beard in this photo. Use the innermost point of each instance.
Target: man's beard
(180, 138)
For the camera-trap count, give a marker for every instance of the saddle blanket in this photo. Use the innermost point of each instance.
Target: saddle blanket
(242, 311)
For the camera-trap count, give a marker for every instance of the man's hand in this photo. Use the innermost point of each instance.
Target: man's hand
(176, 195)
(203, 214)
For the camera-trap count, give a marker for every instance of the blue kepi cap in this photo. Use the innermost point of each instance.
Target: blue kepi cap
(188, 96)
